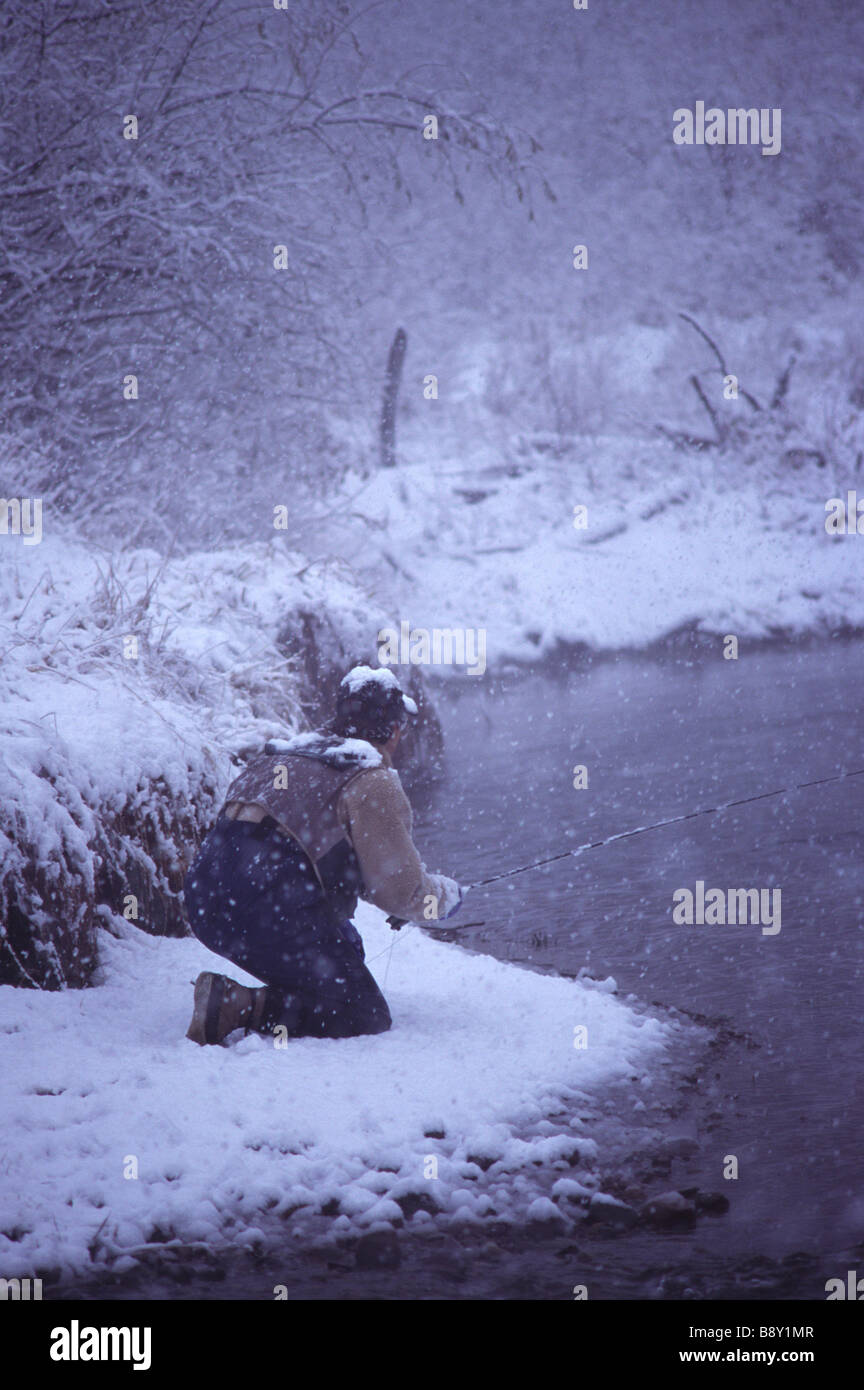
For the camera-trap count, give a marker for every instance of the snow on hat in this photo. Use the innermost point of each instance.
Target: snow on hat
(362, 678)
(369, 703)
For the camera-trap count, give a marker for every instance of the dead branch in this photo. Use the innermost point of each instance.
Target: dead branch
(751, 400)
(719, 430)
(782, 384)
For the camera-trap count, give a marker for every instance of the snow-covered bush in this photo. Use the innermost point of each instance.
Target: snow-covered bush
(104, 779)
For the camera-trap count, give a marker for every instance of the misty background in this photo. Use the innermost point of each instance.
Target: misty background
(259, 127)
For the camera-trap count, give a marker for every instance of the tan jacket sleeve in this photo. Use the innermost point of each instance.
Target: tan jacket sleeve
(376, 814)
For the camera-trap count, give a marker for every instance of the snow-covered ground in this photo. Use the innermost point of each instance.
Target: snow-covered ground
(101, 1083)
(669, 541)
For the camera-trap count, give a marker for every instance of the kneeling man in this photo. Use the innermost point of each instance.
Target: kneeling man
(310, 825)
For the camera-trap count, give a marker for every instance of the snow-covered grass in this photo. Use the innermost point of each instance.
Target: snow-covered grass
(239, 1144)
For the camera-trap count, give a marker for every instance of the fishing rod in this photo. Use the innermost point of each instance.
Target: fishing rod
(396, 922)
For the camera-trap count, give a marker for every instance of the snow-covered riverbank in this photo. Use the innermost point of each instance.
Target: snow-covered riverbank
(613, 543)
(119, 1132)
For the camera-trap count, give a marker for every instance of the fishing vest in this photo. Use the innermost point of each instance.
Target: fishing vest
(299, 783)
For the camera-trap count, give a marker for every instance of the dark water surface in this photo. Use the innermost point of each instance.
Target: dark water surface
(661, 738)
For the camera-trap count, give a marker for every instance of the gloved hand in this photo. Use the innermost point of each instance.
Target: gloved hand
(448, 895)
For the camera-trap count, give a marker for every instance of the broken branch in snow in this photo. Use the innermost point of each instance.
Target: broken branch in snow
(719, 430)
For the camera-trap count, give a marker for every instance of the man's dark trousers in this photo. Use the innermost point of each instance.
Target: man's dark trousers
(253, 897)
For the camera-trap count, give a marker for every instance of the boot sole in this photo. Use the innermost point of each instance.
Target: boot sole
(209, 997)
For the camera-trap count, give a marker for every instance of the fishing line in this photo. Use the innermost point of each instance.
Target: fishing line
(655, 825)
(625, 835)
(389, 958)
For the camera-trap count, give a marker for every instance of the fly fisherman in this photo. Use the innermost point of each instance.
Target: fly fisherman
(310, 825)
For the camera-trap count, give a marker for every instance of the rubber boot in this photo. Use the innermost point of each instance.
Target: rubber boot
(221, 1005)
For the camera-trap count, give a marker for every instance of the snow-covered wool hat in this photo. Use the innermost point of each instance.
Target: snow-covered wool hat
(370, 701)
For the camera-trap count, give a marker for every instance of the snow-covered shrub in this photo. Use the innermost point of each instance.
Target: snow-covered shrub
(116, 737)
(105, 781)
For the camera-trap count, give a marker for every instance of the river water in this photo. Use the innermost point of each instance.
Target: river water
(775, 1075)
(662, 737)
